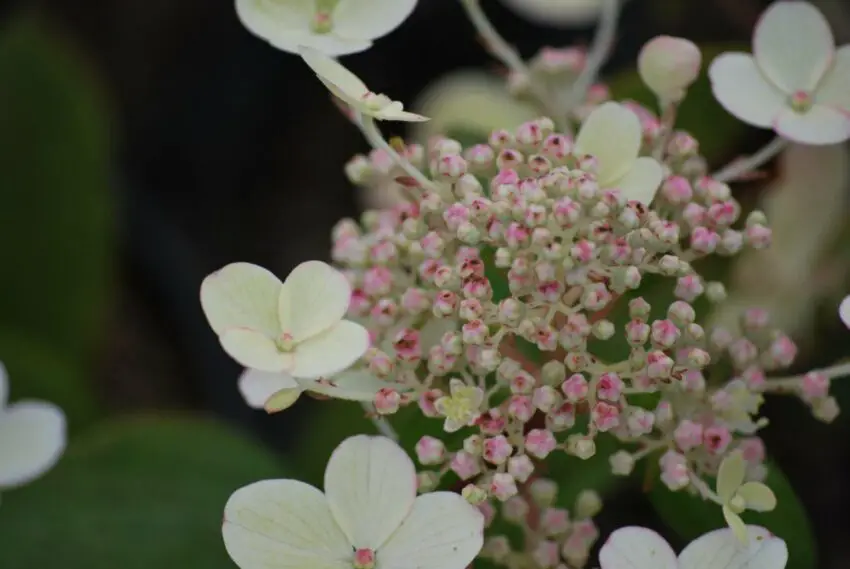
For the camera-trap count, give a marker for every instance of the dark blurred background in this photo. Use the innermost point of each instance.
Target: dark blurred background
(220, 148)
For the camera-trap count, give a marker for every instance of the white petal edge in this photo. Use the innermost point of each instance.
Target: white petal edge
(736, 524)
(759, 497)
(370, 483)
(721, 549)
(740, 88)
(257, 387)
(821, 125)
(4, 386)
(612, 133)
(730, 475)
(793, 45)
(642, 181)
(339, 80)
(33, 436)
(313, 299)
(241, 295)
(370, 19)
(359, 385)
(637, 548)
(834, 90)
(557, 12)
(395, 112)
(443, 531)
(844, 311)
(331, 352)
(283, 524)
(255, 350)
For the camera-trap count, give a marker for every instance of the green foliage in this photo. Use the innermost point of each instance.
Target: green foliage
(142, 493)
(55, 206)
(691, 517)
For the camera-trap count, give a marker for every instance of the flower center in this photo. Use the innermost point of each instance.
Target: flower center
(285, 343)
(364, 559)
(322, 22)
(801, 102)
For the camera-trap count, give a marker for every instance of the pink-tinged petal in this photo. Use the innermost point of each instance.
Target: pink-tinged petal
(742, 90)
(834, 90)
(370, 483)
(642, 181)
(442, 531)
(257, 387)
(336, 77)
(370, 19)
(32, 439)
(819, 125)
(844, 311)
(793, 45)
(330, 352)
(612, 133)
(283, 524)
(637, 548)
(241, 295)
(357, 385)
(721, 549)
(255, 350)
(314, 298)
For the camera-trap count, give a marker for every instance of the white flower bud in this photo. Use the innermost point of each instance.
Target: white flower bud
(588, 504)
(622, 463)
(669, 66)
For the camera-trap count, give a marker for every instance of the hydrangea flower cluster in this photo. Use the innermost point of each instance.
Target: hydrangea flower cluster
(491, 298)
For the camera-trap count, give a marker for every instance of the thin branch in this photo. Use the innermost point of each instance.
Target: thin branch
(739, 168)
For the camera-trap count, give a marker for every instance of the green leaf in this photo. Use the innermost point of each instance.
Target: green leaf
(691, 517)
(700, 114)
(144, 493)
(55, 205)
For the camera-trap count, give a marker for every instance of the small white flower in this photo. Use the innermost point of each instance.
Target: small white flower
(369, 516)
(844, 311)
(613, 135)
(795, 83)
(276, 392)
(738, 496)
(352, 91)
(562, 13)
(32, 437)
(461, 407)
(296, 327)
(641, 548)
(335, 27)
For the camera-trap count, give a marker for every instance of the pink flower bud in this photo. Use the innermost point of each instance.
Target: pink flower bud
(674, 470)
(387, 401)
(688, 435)
(465, 465)
(575, 388)
(545, 398)
(520, 467)
(717, 439)
(497, 449)
(605, 416)
(540, 442)
(815, 385)
(503, 486)
(520, 408)
(430, 451)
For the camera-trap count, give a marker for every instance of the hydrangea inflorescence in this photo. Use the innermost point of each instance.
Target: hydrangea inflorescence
(497, 291)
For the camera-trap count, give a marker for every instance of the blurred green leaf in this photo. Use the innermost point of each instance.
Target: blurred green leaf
(144, 493)
(700, 114)
(691, 517)
(55, 204)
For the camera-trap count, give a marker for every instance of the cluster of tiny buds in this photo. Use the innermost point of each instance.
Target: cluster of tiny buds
(516, 245)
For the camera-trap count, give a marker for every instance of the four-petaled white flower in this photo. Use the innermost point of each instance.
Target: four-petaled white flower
(613, 135)
(346, 86)
(276, 392)
(32, 437)
(296, 327)
(795, 82)
(461, 407)
(369, 516)
(738, 496)
(844, 311)
(641, 548)
(335, 27)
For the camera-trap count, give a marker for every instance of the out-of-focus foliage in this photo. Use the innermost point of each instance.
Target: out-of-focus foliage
(138, 493)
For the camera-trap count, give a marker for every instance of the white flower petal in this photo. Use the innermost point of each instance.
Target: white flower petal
(257, 386)
(32, 438)
(730, 476)
(742, 90)
(793, 45)
(834, 90)
(758, 496)
(370, 483)
(736, 524)
(557, 12)
(612, 133)
(341, 82)
(370, 19)
(4, 385)
(314, 298)
(443, 531)
(331, 352)
(242, 295)
(395, 112)
(283, 524)
(720, 549)
(357, 385)
(820, 125)
(642, 181)
(255, 350)
(844, 311)
(637, 548)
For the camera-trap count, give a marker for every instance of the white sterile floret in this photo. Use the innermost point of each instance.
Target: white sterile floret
(641, 548)
(613, 135)
(796, 82)
(738, 496)
(296, 326)
(276, 392)
(368, 517)
(353, 92)
(32, 438)
(334, 27)
(557, 12)
(844, 311)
